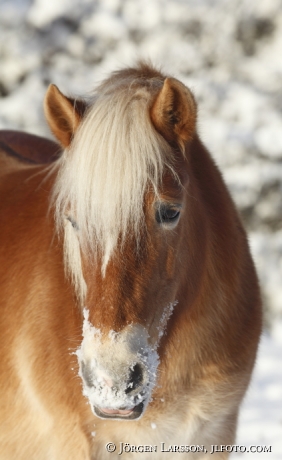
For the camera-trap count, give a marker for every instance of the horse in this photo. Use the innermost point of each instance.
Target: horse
(130, 306)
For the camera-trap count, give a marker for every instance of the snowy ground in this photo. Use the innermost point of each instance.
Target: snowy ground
(229, 53)
(260, 422)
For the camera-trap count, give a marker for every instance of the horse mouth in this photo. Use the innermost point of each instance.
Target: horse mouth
(120, 414)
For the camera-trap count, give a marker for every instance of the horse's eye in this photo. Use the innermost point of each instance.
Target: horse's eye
(167, 214)
(73, 222)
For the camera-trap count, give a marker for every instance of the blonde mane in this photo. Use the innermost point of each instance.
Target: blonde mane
(115, 155)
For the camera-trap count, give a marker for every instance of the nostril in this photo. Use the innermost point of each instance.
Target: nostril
(135, 378)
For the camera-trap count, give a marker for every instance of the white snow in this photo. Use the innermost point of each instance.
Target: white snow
(168, 310)
(260, 421)
(109, 360)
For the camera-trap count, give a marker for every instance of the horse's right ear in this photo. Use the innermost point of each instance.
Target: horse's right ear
(63, 114)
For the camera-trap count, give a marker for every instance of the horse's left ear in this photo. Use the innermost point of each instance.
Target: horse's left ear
(63, 114)
(174, 112)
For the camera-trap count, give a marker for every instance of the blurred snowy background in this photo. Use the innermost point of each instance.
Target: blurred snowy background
(229, 52)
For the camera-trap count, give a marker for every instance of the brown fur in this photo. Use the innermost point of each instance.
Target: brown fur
(209, 348)
(174, 112)
(63, 114)
(29, 148)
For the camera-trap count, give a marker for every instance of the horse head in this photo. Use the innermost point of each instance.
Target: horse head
(120, 200)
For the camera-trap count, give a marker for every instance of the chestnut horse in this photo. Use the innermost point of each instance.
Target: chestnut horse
(130, 308)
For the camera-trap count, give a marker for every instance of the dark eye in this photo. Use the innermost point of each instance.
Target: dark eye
(167, 214)
(73, 222)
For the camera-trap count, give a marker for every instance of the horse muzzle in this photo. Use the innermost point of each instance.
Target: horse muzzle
(118, 371)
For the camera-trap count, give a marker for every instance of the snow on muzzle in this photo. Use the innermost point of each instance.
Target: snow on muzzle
(118, 371)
